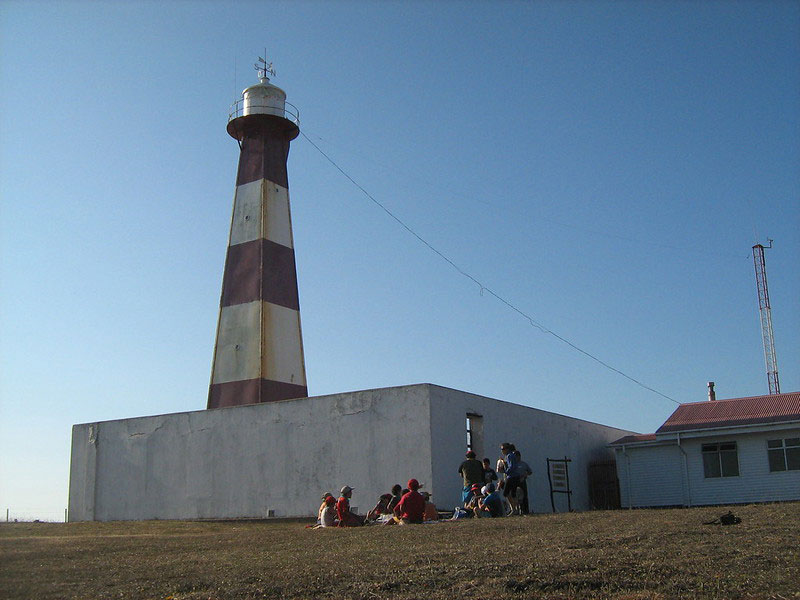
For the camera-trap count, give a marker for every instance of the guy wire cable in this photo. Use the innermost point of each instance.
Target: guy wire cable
(482, 287)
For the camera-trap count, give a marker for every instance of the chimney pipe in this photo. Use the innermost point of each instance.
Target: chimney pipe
(712, 396)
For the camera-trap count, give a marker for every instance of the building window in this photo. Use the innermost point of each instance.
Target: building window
(784, 455)
(720, 460)
(475, 433)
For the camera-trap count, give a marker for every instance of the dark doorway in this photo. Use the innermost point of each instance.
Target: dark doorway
(603, 485)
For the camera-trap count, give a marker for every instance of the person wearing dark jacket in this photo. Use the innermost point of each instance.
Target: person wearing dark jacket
(471, 470)
(524, 472)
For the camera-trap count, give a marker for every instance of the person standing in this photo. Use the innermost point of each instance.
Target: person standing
(489, 474)
(512, 475)
(500, 469)
(524, 472)
(471, 471)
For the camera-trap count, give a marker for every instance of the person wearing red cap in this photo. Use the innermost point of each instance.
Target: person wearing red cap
(411, 507)
(472, 504)
(328, 516)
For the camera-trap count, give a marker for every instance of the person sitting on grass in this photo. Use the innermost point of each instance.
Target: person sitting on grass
(397, 493)
(491, 505)
(381, 508)
(430, 513)
(346, 517)
(328, 516)
(411, 507)
(322, 506)
(472, 504)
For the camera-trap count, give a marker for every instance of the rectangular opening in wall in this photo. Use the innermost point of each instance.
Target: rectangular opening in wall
(475, 434)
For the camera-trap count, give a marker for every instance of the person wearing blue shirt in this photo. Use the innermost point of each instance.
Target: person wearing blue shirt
(513, 474)
(492, 503)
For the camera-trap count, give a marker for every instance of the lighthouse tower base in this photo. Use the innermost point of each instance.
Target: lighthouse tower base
(276, 459)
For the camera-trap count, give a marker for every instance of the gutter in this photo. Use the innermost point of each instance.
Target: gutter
(685, 472)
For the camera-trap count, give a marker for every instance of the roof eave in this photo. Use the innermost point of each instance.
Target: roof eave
(748, 427)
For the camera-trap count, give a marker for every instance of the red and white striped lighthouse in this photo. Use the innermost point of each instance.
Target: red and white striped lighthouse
(258, 355)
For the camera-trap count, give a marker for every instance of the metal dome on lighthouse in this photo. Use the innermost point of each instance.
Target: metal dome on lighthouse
(258, 354)
(263, 98)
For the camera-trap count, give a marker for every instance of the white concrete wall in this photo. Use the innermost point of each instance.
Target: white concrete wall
(657, 475)
(537, 434)
(243, 461)
(83, 466)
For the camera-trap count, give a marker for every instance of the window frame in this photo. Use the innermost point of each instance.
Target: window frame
(719, 468)
(783, 451)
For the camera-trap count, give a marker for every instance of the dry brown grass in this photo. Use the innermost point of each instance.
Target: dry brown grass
(616, 554)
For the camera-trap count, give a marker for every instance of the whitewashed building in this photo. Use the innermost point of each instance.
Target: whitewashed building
(732, 451)
(275, 459)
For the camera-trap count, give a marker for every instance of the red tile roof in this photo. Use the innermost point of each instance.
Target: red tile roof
(776, 408)
(640, 437)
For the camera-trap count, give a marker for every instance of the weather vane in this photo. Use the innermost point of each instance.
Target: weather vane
(263, 67)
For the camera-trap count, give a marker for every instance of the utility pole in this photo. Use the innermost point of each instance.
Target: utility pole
(765, 314)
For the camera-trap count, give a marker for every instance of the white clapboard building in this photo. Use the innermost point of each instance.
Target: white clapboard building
(732, 451)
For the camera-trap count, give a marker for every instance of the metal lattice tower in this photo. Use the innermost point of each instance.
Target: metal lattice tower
(765, 313)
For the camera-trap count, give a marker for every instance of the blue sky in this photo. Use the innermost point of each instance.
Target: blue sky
(603, 166)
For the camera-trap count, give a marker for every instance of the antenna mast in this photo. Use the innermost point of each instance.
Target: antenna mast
(765, 312)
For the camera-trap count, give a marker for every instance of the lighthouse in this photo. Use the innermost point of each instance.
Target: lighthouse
(258, 354)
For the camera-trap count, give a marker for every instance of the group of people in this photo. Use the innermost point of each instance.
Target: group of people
(402, 506)
(487, 492)
(482, 497)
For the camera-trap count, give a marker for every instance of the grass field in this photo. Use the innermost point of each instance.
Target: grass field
(607, 554)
